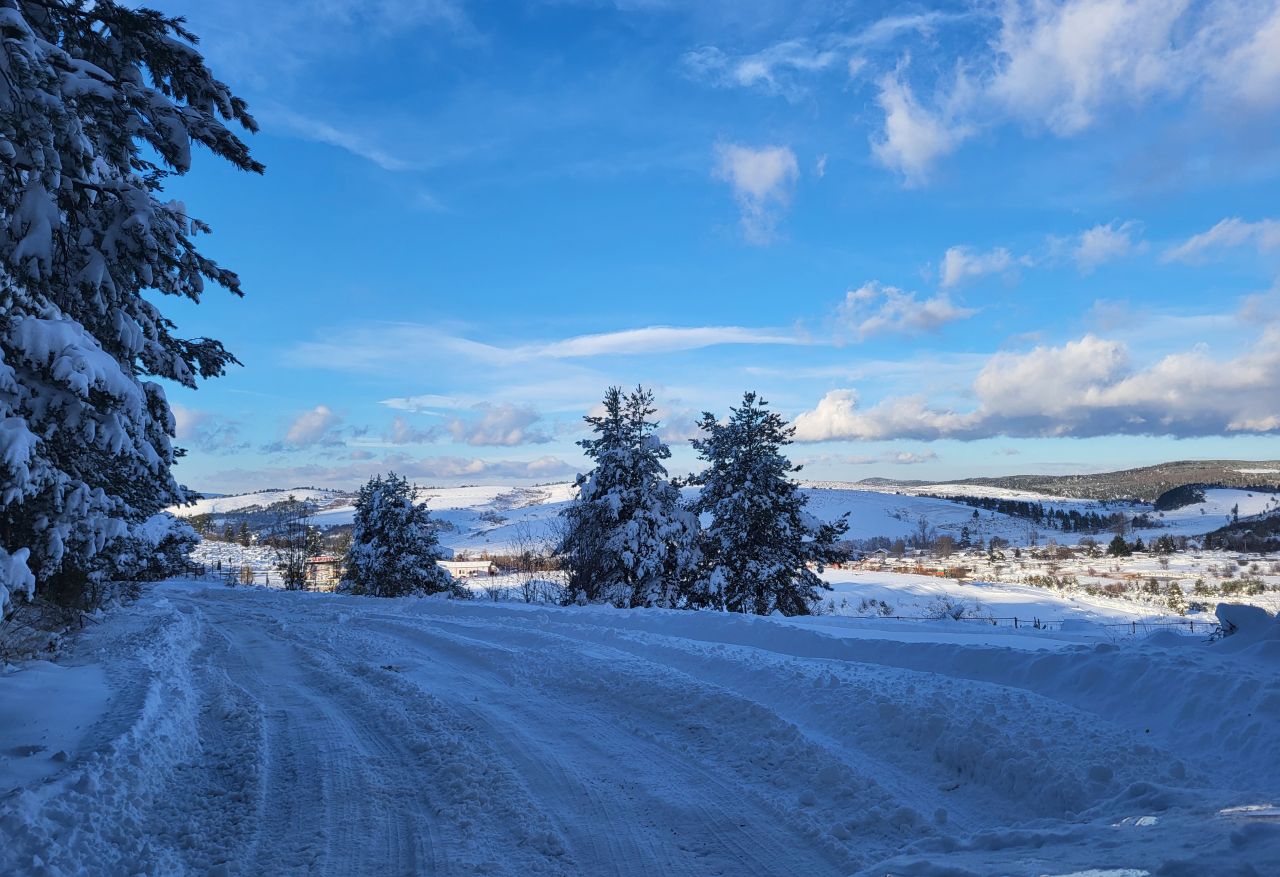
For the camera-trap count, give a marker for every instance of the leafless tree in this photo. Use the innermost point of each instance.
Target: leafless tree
(295, 541)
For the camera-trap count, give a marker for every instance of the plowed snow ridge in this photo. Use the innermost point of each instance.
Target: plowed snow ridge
(256, 732)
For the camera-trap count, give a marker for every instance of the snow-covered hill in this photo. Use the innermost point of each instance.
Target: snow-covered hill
(216, 505)
(496, 518)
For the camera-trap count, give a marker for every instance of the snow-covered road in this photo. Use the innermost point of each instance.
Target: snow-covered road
(256, 732)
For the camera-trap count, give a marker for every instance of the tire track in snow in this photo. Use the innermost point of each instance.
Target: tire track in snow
(630, 804)
(275, 733)
(362, 775)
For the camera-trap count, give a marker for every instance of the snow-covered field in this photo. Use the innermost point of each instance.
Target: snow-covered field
(248, 731)
(497, 518)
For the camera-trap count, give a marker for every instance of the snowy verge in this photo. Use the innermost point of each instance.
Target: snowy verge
(75, 822)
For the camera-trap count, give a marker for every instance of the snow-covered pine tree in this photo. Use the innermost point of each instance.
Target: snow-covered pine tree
(627, 538)
(100, 104)
(394, 547)
(760, 538)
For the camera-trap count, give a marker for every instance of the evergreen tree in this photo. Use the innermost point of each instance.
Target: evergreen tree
(394, 547)
(1118, 547)
(627, 539)
(101, 104)
(760, 541)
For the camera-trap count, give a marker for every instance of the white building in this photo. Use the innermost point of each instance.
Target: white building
(465, 569)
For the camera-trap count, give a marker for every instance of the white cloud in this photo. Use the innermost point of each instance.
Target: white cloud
(962, 263)
(876, 309)
(204, 431)
(654, 339)
(1248, 71)
(762, 181)
(435, 470)
(322, 132)
(896, 458)
(911, 458)
(502, 425)
(395, 346)
(1263, 235)
(767, 69)
(427, 402)
(779, 68)
(1064, 62)
(403, 432)
(319, 426)
(1087, 387)
(1105, 243)
(837, 417)
(1064, 66)
(914, 136)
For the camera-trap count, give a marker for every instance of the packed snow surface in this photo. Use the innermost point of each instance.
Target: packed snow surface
(252, 731)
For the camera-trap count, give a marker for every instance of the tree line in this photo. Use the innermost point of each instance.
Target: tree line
(743, 543)
(1066, 520)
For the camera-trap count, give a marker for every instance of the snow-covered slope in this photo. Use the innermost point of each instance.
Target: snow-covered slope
(259, 732)
(261, 498)
(496, 518)
(1216, 510)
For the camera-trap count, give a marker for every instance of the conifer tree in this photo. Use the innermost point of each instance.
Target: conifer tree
(394, 547)
(1118, 547)
(760, 541)
(627, 539)
(101, 104)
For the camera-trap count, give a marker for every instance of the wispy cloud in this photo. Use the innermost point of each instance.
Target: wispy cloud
(402, 432)
(502, 425)
(381, 346)
(1263, 235)
(343, 138)
(205, 431)
(916, 136)
(896, 458)
(876, 309)
(762, 180)
(655, 339)
(782, 68)
(1106, 243)
(960, 264)
(1062, 67)
(320, 426)
(434, 470)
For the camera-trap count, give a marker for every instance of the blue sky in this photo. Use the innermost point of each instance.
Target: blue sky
(947, 239)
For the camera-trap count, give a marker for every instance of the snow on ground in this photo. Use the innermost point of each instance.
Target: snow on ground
(262, 498)
(918, 595)
(252, 731)
(895, 511)
(498, 519)
(1216, 511)
(46, 709)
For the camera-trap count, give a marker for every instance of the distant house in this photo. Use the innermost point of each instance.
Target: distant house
(324, 571)
(465, 569)
(874, 559)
